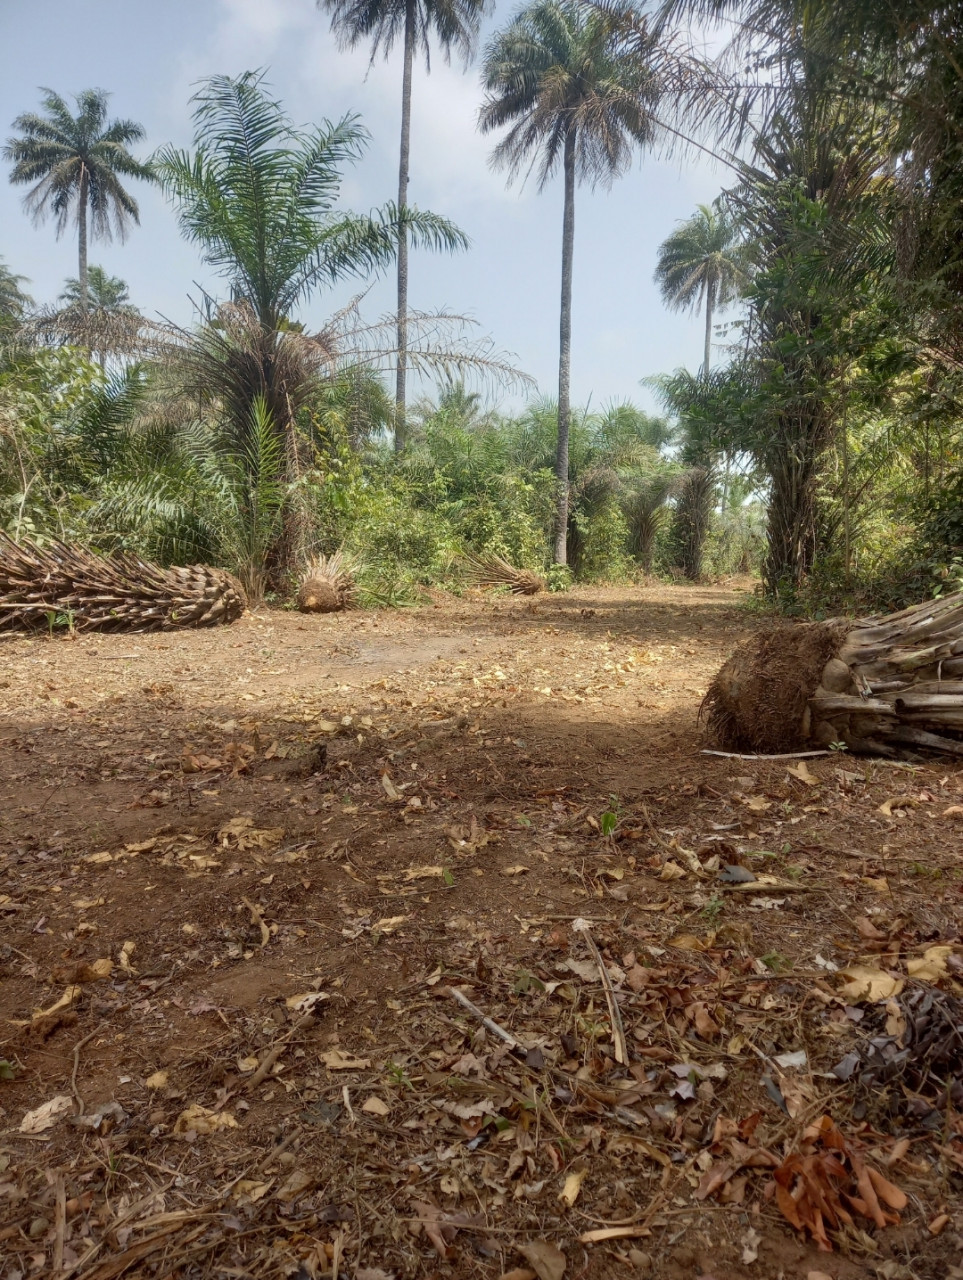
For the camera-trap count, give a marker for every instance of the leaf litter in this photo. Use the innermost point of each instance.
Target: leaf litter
(483, 1028)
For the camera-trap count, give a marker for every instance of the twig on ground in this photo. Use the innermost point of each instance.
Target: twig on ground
(486, 1022)
(60, 1223)
(73, 1075)
(275, 1052)
(782, 755)
(618, 1031)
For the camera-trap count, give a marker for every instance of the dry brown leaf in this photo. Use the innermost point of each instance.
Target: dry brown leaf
(376, 1106)
(954, 811)
(340, 1060)
(517, 870)
(868, 985)
(931, 966)
(686, 942)
(197, 1119)
(389, 788)
(294, 1185)
(671, 871)
(46, 1116)
(801, 771)
(424, 873)
(548, 1261)
(897, 802)
(157, 1081)
(573, 1185)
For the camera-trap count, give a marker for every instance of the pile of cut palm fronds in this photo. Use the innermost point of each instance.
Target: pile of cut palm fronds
(70, 587)
(873, 685)
(329, 584)
(492, 571)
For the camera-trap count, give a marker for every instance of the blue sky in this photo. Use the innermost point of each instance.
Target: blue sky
(148, 55)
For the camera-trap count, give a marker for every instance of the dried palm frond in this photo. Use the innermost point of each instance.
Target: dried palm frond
(492, 571)
(328, 584)
(71, 586)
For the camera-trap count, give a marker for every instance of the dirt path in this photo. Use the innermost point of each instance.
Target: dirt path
(290, 839)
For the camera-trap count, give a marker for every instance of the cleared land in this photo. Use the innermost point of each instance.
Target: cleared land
(241, 872)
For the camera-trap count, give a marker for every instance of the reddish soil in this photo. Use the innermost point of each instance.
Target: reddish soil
(292, 838)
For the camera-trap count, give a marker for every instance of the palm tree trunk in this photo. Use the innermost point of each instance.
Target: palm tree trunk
(83, 197)
(710, 305)
(565, 352)
(402, 373)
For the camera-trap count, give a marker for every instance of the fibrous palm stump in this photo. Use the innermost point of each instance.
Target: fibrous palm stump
(876, 685)
(328, 585)
(70, 586)
(493, 571)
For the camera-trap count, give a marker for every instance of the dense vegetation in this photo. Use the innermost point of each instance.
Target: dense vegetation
(818, 444)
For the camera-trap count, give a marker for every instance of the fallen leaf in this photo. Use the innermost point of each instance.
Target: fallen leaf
(249, 1191)
(376, 1106)
(548, 1262)
(897, 802)
(868, 985)
(750, 1246)
(671, 871)
(197, 1119)
(573, 1185)
(46, 1116)
(424, 873)
(294, 1185)
(340, 1060)
(388, 924)
(802, 772)
(390, 790)
(157, 1081)
(758, 804)
(517, 870)
(306, 1001)
(931, 966)
(954, 811)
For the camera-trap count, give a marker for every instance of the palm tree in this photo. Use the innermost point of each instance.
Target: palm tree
(13, 300)
(104, 292)
(259, 197)
(703, 263)
(560, 78)
(454, 24)
(74, 164)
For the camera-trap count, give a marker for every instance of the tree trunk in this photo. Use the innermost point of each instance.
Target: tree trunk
(402, 372)
(710, 306)
(565, 354)
(84, 196)
(876, 685)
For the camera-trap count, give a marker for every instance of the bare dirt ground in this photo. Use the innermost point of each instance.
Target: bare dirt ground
(246, 874)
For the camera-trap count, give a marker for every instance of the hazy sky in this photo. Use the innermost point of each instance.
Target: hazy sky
(149, 54)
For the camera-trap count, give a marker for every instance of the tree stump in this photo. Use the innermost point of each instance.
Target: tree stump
(877, 685)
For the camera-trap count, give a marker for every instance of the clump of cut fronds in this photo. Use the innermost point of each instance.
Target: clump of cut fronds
(69, 586)
(329, 584)
(492, 571)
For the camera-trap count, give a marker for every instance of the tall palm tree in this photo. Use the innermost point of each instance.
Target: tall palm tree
(704, 262)
(560, 78)
(74, 164)
(454, 25)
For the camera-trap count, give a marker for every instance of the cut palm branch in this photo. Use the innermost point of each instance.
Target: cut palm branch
(492, 571)
(69, 586)
(875, 686)
(328, 585)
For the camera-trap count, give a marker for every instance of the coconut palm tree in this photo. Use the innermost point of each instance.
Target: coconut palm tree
(73, 165)
(453, 24)
(560, 79)
(704, 262)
